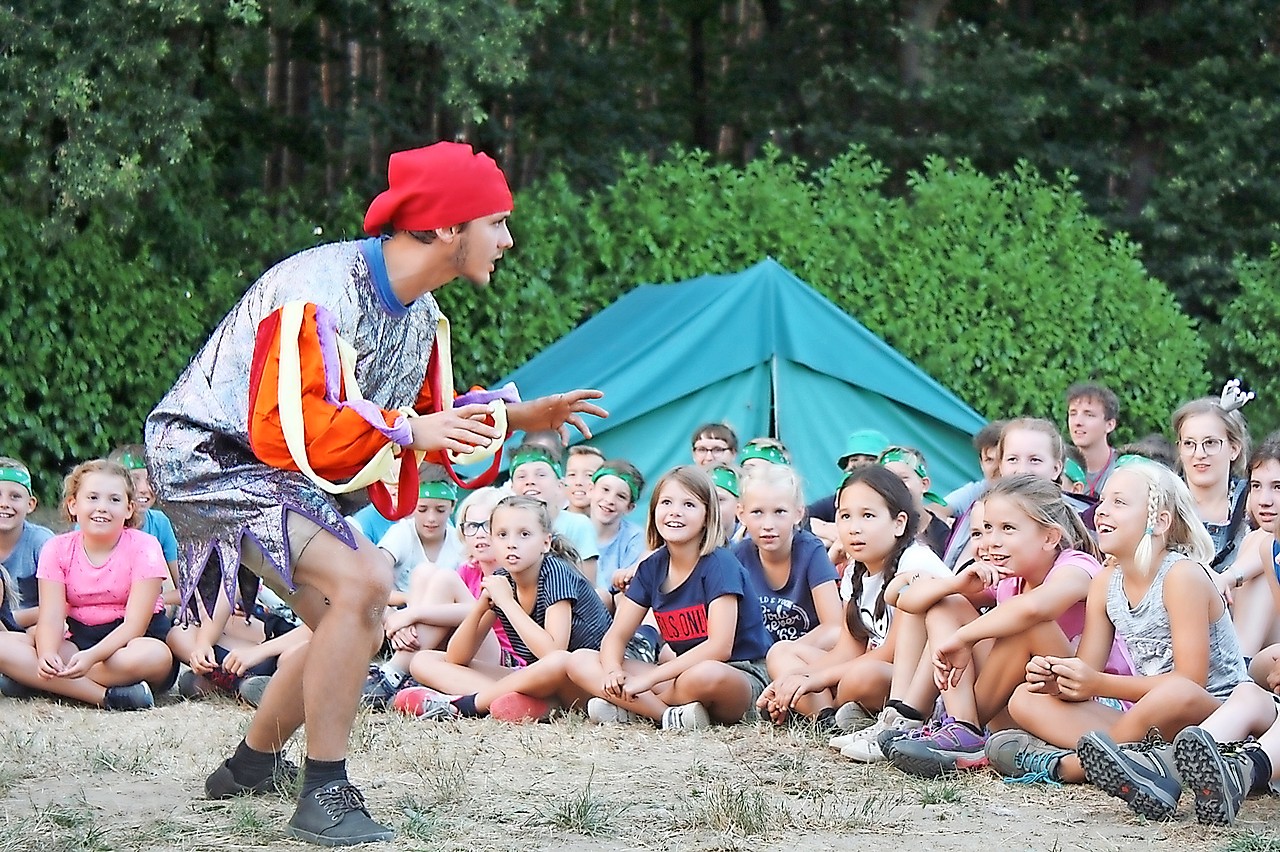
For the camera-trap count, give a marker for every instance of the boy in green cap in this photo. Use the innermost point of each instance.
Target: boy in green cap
(20, 545)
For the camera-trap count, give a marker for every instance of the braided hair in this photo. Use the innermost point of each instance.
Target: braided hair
(899, 502)
(1166, 492)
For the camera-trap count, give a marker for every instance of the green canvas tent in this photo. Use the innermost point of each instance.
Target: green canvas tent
(761, 351)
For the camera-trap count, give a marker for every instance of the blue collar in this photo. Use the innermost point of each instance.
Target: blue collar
(371, 248)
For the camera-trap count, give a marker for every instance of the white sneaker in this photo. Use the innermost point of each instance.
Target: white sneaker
(852, 716)
(863, 746)
(687, 717)
(604, 713)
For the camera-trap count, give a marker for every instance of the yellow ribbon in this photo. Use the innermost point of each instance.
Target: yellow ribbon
(382, 465)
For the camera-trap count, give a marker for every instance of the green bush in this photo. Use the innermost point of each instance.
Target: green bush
(1248, 341)
(1003, 288)
(96, 325)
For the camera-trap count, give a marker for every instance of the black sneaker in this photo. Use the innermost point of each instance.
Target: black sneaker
(222, 784)
(379, 690)
(335, 815)
(135, 696)
(10, 688)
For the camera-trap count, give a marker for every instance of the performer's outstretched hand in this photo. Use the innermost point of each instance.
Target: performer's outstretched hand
(459, 430)
(557, 412)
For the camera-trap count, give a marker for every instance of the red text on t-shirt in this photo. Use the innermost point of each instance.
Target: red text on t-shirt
(683, 625)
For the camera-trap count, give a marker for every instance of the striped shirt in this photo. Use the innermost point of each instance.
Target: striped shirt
(560, 581)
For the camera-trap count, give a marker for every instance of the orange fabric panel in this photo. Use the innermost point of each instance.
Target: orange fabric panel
(339, 441)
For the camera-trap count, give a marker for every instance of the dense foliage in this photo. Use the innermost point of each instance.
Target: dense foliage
(169, 146)
(1250, 338)
(1004, 288)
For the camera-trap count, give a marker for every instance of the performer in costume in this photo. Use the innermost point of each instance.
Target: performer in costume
(332, 362)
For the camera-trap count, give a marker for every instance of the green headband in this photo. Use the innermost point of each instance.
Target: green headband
(13, 474)
(768, 453)
(537, 454)
(1130, 458)
(132, 462)
(725, 478)
(907, 457)
(439, 490)
(1074, 471)
(625, 477)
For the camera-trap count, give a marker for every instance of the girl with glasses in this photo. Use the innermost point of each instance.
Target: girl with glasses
(1212, 444)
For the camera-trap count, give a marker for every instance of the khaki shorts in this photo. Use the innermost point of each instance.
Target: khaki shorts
(758, 678)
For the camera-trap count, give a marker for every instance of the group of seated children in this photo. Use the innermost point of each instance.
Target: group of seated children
(1081, 613)
(87, 614)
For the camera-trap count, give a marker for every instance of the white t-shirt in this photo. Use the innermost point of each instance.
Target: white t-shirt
(402, 542)
(916, 559)
(580, 532)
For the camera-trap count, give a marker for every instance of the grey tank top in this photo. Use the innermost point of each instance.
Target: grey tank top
(1145, 631)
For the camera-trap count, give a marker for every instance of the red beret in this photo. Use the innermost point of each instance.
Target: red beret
(438, 186)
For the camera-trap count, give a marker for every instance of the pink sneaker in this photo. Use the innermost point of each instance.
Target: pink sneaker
(518, 708)
(414, 700)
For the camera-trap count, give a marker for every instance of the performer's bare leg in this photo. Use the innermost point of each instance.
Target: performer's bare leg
(340, 595)
(355, 584)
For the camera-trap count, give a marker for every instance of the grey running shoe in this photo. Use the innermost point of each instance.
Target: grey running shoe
(10, 688)
(192, 685)
(379, 690)
(852, 716)
(135, 696)
(1219, 774)
(251, 688)
(335, 815)
(1023, 758)
(1143, 774)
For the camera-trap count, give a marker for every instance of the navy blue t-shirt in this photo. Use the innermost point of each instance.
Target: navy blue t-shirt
(560, 581)
(789, 612)
(682, 612)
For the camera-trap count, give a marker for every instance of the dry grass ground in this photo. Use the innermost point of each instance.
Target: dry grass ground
(76, 779)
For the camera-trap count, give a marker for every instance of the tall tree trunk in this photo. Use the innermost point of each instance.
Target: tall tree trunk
(916, 56)
(330, 130)
(699, 121)
(1144, 142)
(269, 85)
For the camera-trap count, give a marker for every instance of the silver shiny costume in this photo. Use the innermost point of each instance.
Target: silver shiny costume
(214, 488)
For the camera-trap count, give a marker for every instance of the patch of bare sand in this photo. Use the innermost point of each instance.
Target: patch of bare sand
(80, 779)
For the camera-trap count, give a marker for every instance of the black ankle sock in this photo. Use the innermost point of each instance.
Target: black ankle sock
(466, 705)
(906, 710)
(824, 714)
(971, 727)
(249, 766)
(1261, 769)
(317, 773)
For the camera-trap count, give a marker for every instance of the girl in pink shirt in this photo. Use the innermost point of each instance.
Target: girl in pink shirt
(99, 635)
(439, 599)
(1033, 579)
